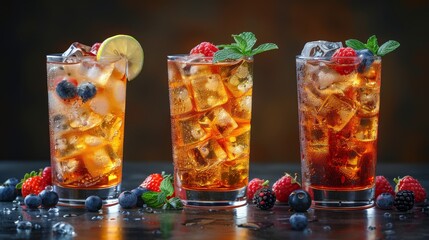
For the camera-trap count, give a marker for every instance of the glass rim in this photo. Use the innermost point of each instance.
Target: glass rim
(330, 58)
(59, 58)
(184, 55)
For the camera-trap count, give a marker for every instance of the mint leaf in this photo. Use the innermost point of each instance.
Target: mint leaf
(242, 47)
(173, 203)
(263, 48)
(167, 186)
(227, 53)
(388, 47)
(355, 44)
(151, 199)
(372, 44)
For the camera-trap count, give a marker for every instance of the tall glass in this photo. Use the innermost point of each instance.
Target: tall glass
(86, 120)
(210, 108)
(338, 119)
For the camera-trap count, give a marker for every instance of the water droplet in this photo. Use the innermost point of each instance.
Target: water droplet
(94, 218)
(327, 228)
(371, 228)
(69, 215)
(389, 225)
(125, 212)
(6, 211)
(62, 228)
(137, 219)
(38, 216)
(24, 225)
(402, 217)
(20, 218)
(308, 231)
(126, 219)
(148, 209)
(387, 215)
(340, 203)
(49, 188)
(53, 210)
(389, 232)
(157, 232)
(37, 226)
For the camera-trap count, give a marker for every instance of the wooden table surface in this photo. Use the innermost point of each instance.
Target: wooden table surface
(245, 222)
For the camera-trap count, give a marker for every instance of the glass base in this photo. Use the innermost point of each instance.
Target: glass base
(342, 200)
(77, 197)
(214, 199)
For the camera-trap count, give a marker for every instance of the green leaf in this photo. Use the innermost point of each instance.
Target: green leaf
(372, 44)
(241, 42)
(173, 203)
(250, 40)
(227, 53)
(152, 199)
(263, 48)
(388, 47)
(355, 44)
(167, 185)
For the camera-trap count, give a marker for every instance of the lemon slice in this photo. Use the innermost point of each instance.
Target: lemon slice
(123, 46)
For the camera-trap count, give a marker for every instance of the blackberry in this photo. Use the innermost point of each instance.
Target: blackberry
(404, 200)
(299, 200)
(264, 198)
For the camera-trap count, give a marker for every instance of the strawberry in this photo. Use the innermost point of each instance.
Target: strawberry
(382, 185)
(34, 184)
(411, 184)
(47, 175)
(345, 60)
(254, 185)
(206, 48)
(152, 182)
(284, 186)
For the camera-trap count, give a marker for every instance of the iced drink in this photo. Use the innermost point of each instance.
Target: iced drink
(210, 108)
(86, 118)
(338, 103)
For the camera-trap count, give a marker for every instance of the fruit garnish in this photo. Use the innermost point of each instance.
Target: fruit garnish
(206, 48)
(243, 47)
(284, 186)
(404, 200)
(153, 182)
(86, 91)
(382, 185)
(411, 184)
(94, 48)
(299, 200)
(47, 175)
(123, 46)
(264, 198)
(164, 197)
(66, 89)
(372, 45)
(385, 201)
(344, 60)
(254, 185)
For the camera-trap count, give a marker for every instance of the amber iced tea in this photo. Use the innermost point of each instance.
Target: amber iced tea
(338, 115)
(210, 106)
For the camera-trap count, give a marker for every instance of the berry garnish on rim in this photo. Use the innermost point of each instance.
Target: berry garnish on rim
(205, 48)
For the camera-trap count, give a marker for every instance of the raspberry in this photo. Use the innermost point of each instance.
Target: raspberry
(404, 200)
(411, 184)
(206, 48)
(254, 185)
(284, 186)
(47, 175)
(264, 198)
(382, 186)
(345, 60)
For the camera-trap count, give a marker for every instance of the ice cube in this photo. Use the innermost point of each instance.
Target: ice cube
(209, 92)
(56, 104)
(119, 93)
(100, 104)
(206, 154)
(59, 123)
(69, 145)
(68, 170)
(221, 121)
(367, 129)
(83, 120)
(180, 100)
(336, 111)
(241, 81)
(237, 144)
(368, 99)
(320, 48)
(78, 50)
(189, 130)
(98, 162)
(241, 108)
(96, 72)
(316, 135)
(63, 230)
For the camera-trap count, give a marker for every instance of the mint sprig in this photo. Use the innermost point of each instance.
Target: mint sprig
(160, 199)
(372, 45)
(243, 47)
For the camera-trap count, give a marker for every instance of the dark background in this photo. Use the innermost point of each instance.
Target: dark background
(32, 29)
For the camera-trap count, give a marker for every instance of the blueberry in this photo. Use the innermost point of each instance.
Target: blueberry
(32, 201)
(299, 200)
(298, 221)
(11, 182)
(86, 91)
(127, 199)
(139, 192)
(49, 198)
(367, 59)
(385, 201)
(7, 193)
(93, 203)
(66, 90)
